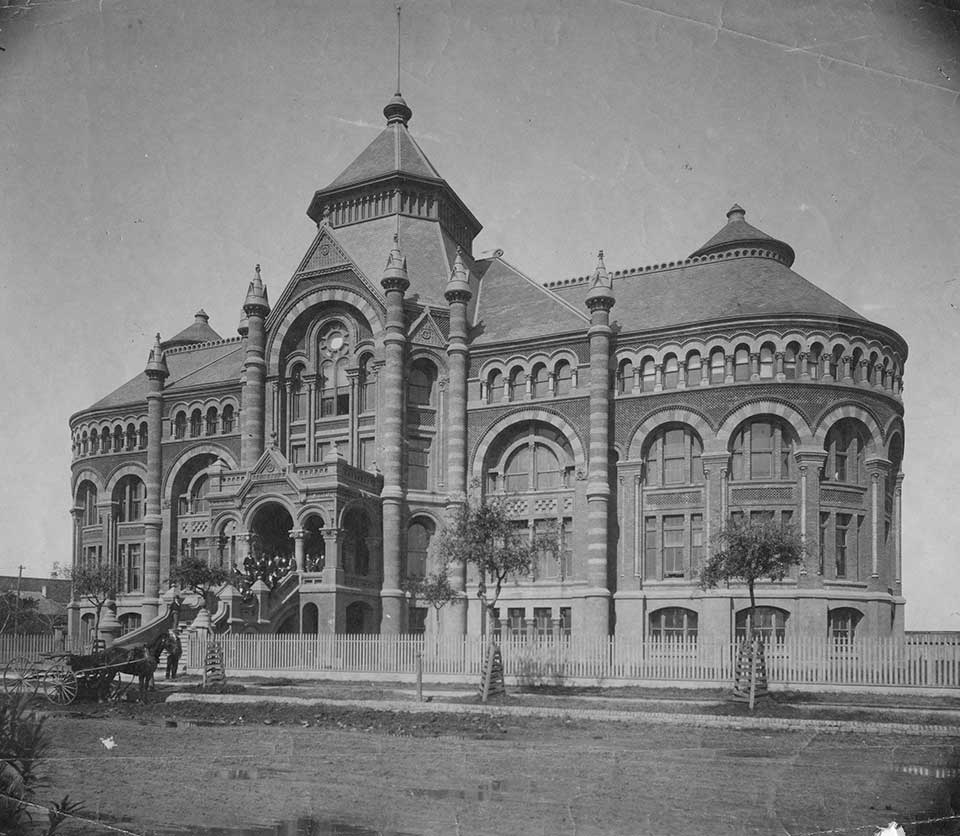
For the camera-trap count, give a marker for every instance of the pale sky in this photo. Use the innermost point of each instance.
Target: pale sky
(153, 152)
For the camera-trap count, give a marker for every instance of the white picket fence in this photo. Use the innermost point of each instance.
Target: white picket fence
(903, 663)
(916, 661)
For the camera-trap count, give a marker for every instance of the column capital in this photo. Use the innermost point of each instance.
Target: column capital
(810, 458)
(298, 533)
(877, 465)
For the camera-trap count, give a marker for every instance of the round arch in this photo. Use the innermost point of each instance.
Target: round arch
(197, 450)
(675, 415)
(755, 409)
(313, 299)
(128, 469)
(304, 514)
(838, 412)
(519, 417)
(86, 475)
(251, 511)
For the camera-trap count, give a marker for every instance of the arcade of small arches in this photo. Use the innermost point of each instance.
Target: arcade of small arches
(197, 421)
(856, 363)
(122, 437)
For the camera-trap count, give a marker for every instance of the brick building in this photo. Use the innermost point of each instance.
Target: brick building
(635, 408)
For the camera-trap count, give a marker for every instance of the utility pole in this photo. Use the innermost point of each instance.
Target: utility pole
(16, 605)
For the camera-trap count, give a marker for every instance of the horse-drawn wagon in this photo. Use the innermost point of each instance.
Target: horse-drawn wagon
(64, 677)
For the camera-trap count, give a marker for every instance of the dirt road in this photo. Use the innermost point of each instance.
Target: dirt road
(466, 775)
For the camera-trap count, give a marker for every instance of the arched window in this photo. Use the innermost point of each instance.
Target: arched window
(845, 445)
(563, 375)
(741, 364)
(131, 437)
(423, 376)
(130, 497)
(196, 423)
(766, 362)
(367, 384)
(532, 467)
(813, 361)
(671, 372)
(694, 368)
(212, 421)
(94, 441)
(540, 383)
(529, 457)
(117, 439)
(673, 624)
(227, 422)
(648, 375)
(298, 397)
(180, 425)
(717, 361)
(106, 440)
(790, 361)
(842, 624)
(835, 366)
(198, 495)
(673, 458)
(84, 444)
(419, 534)
(87, 502)
(769, 623)
(625, 377)
(495, 386)
(762, 449)
(515, 384)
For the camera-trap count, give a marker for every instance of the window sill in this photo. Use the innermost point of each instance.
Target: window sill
(845, 583)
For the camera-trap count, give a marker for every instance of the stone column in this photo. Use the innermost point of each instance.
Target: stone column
(255, 307)
(847, 374)
(395, 284)
(809, 464)
(714, 472)
(803, 370)
(332, 564)
(779, 374)
(599, 301)
(156, 373)
(298, 534)
(658, 377)
(457, 294)
(898, 533)
(878, 469)
(728, 368)
(681, 374)
(754, 366)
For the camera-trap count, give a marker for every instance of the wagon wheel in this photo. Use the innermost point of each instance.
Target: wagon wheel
(20, 677)
(60, 686)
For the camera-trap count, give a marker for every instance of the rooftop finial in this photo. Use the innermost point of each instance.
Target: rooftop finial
(398, 49)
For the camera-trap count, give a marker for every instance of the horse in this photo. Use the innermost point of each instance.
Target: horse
(141, 661)
(98, 669)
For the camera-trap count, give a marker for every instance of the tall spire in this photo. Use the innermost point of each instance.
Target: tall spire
(397, 111)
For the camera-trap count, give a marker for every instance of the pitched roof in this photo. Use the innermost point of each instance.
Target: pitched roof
(57, 589)
(393, 151)
(192, 366)
(511, 306)
(428, 249)
(723, 288)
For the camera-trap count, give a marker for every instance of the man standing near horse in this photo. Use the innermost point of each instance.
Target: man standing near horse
(174, 652)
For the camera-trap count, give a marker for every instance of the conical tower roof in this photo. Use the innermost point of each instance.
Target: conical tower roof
(738, 234)
(199, 331)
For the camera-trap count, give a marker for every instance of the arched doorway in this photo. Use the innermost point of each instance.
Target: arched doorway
(310, 619)
(314, 548)
(271, 548)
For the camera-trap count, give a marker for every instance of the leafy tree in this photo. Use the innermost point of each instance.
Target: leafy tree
(195, 574)
(748, 551)
(22, 616)
(484, 535)
(434, 590)
(97, 582)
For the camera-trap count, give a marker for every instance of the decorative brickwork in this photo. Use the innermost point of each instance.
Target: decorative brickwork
(673, 498)
(762, 496)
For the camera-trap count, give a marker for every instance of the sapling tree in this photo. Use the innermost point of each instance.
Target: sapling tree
(97, 582)
(485, 536)
(751, 550)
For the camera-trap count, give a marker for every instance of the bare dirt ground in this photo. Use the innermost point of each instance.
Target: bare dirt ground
(188, 766)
